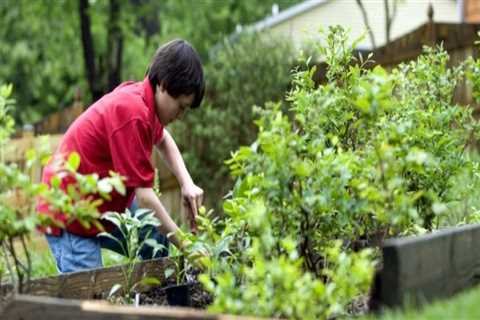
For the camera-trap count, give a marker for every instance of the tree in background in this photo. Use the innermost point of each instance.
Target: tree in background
(205, 23)
(108, 66)
(44, 44)
(39, 56)
(50, 48)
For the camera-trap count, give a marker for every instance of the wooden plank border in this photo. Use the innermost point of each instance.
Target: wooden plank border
(423, 268)
(92, 283)
(24, 307)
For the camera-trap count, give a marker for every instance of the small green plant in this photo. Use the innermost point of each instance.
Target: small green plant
(130, 224)
(180, 267)
(207, 250)
(80, 200)
(17, 205)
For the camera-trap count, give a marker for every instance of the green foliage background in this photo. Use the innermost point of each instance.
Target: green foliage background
(39, 55)
(41, 51)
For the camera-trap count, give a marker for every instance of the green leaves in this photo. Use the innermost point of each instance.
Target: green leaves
(269, 282)
(29, 40)
(73, 162)
(18, 197)
(168, 273)
(115, 288)
(150, 281)
(6, 91)
(84, 193)
(6, 120)
(374, 93)
(369, 154)
(303, 168)
(130, 225)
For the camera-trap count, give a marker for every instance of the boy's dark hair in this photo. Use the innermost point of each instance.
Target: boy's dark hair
(177, 67)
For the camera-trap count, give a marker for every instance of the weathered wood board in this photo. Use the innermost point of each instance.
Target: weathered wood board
(92, 283)
(24, 307)
(423, 268)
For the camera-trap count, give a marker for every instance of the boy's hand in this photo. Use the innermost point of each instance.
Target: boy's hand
(192, 197)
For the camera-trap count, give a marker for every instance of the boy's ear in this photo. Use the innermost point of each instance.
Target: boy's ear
(160, 87)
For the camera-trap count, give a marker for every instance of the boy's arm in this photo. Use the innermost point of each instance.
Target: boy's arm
(192, 195)
(147, 198)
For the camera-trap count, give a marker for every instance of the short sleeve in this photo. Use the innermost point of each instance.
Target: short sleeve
(131, 150)
(158, 134)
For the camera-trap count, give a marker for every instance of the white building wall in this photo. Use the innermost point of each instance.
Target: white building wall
(410, 15)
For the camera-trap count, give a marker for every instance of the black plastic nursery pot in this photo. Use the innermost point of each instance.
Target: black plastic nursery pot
(179, 295)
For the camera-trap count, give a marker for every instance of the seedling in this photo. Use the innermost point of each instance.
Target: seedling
(130, 225)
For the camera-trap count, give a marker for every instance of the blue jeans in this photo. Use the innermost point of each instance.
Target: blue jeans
(76, 253)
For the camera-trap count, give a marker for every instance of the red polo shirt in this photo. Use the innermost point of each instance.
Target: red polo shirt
(117, 133)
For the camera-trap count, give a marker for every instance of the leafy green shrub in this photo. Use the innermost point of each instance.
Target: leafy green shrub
(250, 70)
(81, 199)
(276, 285)
(17, 202)
(30, 39)
(463, 206)
(365, 156)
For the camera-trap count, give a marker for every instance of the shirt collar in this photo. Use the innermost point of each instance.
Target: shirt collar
(148, 95)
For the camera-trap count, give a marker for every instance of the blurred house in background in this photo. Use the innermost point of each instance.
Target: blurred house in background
(302, 21)
(455, 24)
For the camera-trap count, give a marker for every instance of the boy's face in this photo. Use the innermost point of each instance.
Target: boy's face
(169, 108)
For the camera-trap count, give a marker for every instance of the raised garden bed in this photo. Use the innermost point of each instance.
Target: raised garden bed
(92, 284)
(418, 270)
(32, 307)
(58, 297)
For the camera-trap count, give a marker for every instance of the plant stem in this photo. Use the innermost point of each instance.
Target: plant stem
(9, 266)
(18, 264)
(28, 271)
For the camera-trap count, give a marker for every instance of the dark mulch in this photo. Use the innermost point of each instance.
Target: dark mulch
(157, 296)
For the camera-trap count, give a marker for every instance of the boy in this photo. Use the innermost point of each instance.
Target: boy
(117, 133)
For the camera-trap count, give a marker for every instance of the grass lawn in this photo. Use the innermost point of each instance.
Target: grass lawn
(465, 305)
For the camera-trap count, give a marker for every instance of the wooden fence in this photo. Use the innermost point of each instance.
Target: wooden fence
(59, 122)
(93, 283)
(16, 149)
(457, 39)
